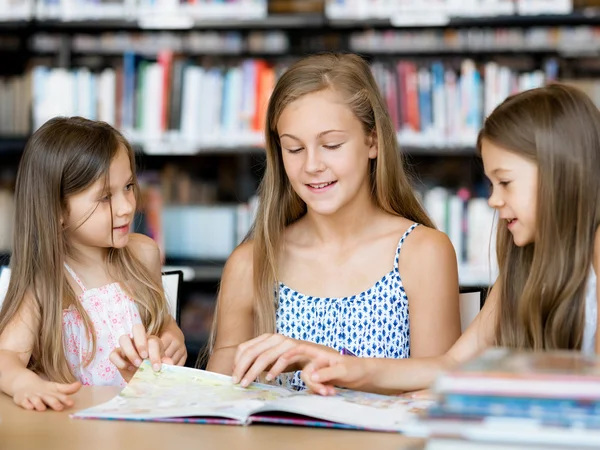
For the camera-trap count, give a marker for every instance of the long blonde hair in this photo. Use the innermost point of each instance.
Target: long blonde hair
(279, 206)
(542, 286)
(63, 157)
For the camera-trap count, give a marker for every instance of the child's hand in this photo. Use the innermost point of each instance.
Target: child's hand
(131, 352)
(325, 369)
(45, 394)
(173, 342)
(259, 354)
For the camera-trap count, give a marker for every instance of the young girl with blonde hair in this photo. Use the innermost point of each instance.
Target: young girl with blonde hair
(85, 302)
(342, 254)
(541, 152)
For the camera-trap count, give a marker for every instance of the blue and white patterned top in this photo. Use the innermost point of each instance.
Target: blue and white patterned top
(373, 323)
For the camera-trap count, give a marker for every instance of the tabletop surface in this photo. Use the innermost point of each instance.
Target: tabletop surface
(21, 429)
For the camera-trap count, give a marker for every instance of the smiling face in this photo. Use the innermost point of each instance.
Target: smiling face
(325, 152)
(514, 190)
(100, 216)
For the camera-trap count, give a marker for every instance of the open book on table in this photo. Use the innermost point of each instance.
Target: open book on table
(181, 394)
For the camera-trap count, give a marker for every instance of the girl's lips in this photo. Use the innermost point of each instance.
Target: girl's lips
(321, 187)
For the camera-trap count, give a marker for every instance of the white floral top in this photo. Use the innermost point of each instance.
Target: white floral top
(112, 314)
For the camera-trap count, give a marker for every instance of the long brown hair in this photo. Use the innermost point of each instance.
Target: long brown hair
(542, 285)
(63, 157)
(279, 206)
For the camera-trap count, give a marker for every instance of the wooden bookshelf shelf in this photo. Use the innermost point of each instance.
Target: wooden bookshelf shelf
(189, 163)
(469, 275)
(437, 151)
(279, 21)
(588, 17)
(303, 21)
(9, 145)
(15, 146)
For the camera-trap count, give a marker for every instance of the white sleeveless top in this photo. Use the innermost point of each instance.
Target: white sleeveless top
(591, 315)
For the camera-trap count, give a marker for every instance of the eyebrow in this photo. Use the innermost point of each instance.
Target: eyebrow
(108, 189)
(499, 169)
(321, 134)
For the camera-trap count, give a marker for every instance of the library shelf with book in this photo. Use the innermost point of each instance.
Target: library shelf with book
(144, 67)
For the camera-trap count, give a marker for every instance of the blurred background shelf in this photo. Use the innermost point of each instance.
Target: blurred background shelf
(469, 275)
(188, 86)
(11, 145)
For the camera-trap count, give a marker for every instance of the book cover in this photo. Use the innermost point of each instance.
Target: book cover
(549, 374)
(550, 411)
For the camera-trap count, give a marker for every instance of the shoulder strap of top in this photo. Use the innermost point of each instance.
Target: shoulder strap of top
(402, 239)
(75, 277)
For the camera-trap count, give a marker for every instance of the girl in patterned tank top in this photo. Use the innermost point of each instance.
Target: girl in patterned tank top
(541, 152)
(341, 254)
(85, 302)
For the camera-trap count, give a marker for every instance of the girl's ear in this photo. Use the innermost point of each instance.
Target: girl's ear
(373, 146)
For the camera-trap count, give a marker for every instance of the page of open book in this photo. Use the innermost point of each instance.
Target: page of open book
(177, 392)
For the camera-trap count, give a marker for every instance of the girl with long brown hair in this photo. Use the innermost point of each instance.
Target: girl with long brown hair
(85, 302)
(541, 152)
(341, 254)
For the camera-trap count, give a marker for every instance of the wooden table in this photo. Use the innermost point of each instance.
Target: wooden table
(24, 430)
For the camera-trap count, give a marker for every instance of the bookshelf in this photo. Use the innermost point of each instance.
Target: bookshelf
(12, 146)
(210, 164)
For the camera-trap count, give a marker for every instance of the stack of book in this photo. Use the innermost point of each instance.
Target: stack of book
(517, 398)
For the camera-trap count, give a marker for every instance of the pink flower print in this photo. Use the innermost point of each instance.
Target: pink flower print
(111, 313)
(73, 344)
(106, 370)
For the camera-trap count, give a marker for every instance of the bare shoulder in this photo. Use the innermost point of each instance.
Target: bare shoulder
(425, 243)
(428, 260)
(239, 264)
(144, 247)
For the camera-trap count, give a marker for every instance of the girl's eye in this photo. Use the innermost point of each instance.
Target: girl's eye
(294, 150)
(106, 198)
(129, 187)
(332, 147)
(504, 183)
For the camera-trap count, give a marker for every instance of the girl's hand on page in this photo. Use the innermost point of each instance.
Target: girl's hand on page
(44, 394)
(324, 369)
(132, 351)
(259, 354)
